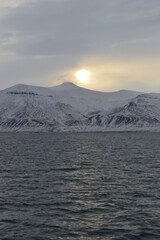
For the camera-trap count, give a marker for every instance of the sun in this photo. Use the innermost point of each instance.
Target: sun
(83, 76)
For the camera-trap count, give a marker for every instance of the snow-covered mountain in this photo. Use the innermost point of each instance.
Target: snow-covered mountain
(68, 107)
(86, 100)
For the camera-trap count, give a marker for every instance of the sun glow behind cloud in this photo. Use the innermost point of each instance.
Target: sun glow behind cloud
(83, 76)
(126, 74)
(112, 75)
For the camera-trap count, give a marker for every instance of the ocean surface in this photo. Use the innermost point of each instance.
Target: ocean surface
(80, 186)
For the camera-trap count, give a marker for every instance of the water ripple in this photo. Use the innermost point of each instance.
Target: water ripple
(80, 186)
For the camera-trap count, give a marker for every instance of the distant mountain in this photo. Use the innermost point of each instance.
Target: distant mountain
(68, 107)
(85, 100)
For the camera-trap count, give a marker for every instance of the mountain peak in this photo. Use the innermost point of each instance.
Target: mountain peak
(18, 87)
(65, 86)
(23, 88)
(68, 84)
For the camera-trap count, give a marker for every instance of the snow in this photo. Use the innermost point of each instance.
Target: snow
(85, 100)
(29, 88)
(68, 107)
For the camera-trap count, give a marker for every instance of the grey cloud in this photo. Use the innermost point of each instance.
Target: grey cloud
(68, 30)
(78, 26)
(31, 70)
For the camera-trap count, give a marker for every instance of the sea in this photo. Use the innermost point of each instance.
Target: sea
(80, 186)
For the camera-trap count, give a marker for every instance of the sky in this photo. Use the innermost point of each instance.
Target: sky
(45, 43)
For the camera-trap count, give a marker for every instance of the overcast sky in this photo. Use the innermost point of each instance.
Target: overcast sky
(44, 42)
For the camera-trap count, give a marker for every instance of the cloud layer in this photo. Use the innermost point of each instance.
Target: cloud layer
(44, 41)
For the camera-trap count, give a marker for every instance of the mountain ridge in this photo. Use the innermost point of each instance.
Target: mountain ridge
(67, 85)
(68, 107)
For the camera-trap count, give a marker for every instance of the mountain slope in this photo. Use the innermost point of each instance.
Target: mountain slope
(26, 107)
(71, 108)
(141, 112)
(85, 100)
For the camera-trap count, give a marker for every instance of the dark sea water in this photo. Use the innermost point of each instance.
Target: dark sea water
(80, 186)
